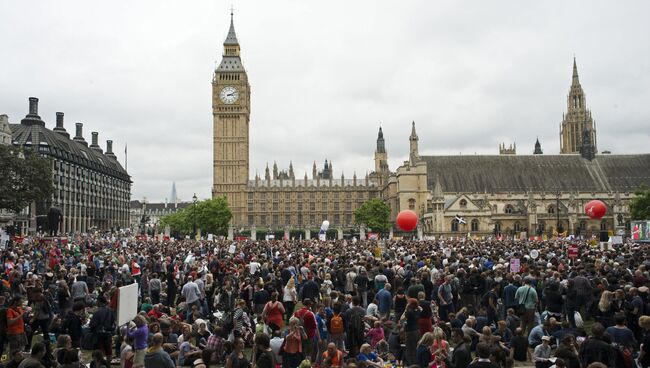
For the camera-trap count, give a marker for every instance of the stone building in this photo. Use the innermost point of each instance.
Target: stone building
(280, 199)
(506, 194)
(91, 187)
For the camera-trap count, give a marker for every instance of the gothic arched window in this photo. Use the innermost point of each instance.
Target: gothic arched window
(517, 227)
(497, 227)
(454, 225)
(509, 209)
(412, 204)
(475, 225)
(551, 209)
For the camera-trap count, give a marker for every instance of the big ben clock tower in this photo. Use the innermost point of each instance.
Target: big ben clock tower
(231, 116)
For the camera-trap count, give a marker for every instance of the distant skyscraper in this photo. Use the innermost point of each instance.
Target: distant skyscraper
(173, 198)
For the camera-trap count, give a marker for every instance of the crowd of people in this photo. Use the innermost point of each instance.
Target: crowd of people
(310, 303)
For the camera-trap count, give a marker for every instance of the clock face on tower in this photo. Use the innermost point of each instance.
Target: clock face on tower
(229, 95)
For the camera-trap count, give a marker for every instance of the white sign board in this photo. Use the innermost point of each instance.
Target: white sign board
(127, 303)
(232, 248)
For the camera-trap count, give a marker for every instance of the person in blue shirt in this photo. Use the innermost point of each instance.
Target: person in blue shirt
(321, 324)
(371, 359)
(385, 300)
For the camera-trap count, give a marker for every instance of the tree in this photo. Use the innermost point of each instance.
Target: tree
(373, 213)
(25, 177)
(212, 216)
(640, 205)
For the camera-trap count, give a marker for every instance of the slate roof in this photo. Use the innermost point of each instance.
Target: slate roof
(59, 146)
(536, 173)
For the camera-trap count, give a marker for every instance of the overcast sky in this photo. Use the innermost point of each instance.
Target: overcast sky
(324, 75)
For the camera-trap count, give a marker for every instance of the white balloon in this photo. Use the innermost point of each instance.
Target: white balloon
(325, 225)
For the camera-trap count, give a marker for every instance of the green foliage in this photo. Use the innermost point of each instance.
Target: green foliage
(23, 179)
(640, 205)
(375, 214)
(212, 216)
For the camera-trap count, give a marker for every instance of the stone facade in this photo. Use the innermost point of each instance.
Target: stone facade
(91, 187)
(506, 194)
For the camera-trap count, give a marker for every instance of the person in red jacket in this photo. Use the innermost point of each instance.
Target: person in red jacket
(309, 323)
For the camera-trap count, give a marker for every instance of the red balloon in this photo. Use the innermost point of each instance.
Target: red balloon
(407, 220)
(595, 209)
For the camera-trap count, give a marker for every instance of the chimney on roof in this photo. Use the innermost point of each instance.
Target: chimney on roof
(33, 106)
(79, 134)
(95, 146)
(59, 125)
(32, 118)
(109, 149)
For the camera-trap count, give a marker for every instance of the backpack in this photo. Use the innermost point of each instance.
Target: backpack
(336, 324)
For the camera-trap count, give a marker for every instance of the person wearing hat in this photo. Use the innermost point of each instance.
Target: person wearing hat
(542, 353)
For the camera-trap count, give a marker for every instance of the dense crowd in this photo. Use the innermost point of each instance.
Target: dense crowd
(442, 304)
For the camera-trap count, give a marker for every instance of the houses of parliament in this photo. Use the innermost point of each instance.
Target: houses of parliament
(509, 193)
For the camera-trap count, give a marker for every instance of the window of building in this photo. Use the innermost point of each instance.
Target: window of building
(348, 219)
(312, 219)
(251, 219)
(275, 206)
(336, 206)
(299, 206)
(275, 220)
(299, 219)
(497, 227)
(287, 206)
(509, 209)
(541, 226)
(517, 227)
(250, 196)
(263, 220)
(474, 225)
(348, 206)
(287, 219)
(551, 209)
(312, 206)
(454, 225)
(250, 206)
(337, 219)
(412, 204)
(463, 203)
(275, 195)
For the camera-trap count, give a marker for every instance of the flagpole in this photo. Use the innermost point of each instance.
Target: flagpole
(126, 158)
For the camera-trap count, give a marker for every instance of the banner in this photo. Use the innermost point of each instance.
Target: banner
(515, 265)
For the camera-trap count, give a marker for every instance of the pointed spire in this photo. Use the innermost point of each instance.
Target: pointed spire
(538, 148)
(414, 135)
(275, 170)
(231, 39)
(291, 175)
(381, 145)
(314, 173)
(575, 72)
(437, 189)
(267, 173)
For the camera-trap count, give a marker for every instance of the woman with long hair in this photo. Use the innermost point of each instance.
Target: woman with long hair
(289, 298)
(439, 346)
(605, 310)
(423, 352)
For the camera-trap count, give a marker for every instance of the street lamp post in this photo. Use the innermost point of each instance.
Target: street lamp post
(194, 215)
(558, 226)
